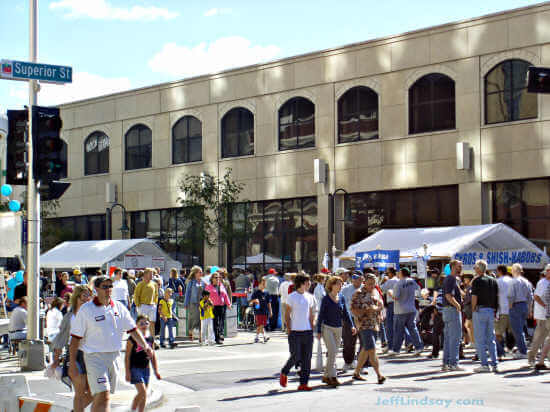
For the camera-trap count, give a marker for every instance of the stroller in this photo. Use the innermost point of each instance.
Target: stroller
(249, 323)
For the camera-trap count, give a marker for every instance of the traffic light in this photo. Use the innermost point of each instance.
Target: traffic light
(16, 173)
(49, 152)
(538, 80)
(48, 162)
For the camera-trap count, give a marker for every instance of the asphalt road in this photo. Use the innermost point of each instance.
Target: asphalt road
(243, 376)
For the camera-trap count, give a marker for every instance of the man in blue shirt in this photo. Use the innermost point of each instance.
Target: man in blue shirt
(452, 318)
(404, 294)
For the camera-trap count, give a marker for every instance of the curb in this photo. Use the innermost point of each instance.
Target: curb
(154, 399)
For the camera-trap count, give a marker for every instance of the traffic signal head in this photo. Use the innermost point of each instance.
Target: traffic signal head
(538, 80)
(49, 156)
(16, 173)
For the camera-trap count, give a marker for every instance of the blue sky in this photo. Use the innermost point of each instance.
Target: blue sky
(116, 45)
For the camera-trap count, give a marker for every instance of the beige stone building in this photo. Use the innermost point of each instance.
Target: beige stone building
(384, 115)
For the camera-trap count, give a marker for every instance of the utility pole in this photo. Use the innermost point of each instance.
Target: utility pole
(33, 210)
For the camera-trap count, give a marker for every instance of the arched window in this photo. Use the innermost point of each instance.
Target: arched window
(358, 115)
(96, 154)
(187, 140)
(138, 147)
(432, 104)
(506, 97)
(297, 124)
(238, 133)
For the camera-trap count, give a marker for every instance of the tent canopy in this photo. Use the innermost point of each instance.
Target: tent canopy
(446, 242)
(96, 253)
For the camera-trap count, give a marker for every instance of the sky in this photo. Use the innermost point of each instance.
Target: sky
(117, 45)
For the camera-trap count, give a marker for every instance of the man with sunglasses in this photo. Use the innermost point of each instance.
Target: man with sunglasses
(97, 330)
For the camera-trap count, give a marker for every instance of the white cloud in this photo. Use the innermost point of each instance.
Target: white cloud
(215, 11)
(102, 10)
(84, 86)
(222, 54)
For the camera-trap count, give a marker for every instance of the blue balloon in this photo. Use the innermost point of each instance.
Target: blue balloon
(6, 190)
(447, 269)
(14, 205)
(19, 276)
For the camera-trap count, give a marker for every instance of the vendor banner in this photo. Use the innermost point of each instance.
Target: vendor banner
(381, 259)
(527, 259)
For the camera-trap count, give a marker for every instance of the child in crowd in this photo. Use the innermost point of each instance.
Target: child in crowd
(207, 319)
(137, 364)
(167, 318)
(262, 308)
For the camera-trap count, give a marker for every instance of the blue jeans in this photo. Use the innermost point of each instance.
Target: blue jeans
(484, 334)
(518, 319)
(400, 322)
(452, 334)
(389, 327)
(171, 323)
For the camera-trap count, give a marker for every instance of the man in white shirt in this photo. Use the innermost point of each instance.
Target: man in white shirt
(502, 322)
(300, 312)
(387, 289)
(541, 332)
(120, 289)
(272, 288)
(97, 330)
(283, 292)
(17, 328)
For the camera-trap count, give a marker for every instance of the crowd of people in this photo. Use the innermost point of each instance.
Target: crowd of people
(387, 312)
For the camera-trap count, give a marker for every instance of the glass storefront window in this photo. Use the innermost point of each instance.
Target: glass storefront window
(372, 211)
(279, 233)
(525, 206)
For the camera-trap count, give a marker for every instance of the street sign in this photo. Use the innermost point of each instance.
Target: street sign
(17, 70)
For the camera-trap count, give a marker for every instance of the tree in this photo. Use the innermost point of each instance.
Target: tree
(206, 201)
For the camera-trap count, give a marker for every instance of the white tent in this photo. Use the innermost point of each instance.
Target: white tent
(128, 254)
(496, 243)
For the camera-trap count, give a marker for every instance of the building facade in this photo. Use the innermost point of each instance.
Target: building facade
(384, 115)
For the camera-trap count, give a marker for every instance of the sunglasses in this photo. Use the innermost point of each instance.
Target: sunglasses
(143, 323)
(105, 287)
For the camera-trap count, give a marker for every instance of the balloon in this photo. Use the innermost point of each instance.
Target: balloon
(19, 276)
(6, 190)
(447, 269)
(14, 205)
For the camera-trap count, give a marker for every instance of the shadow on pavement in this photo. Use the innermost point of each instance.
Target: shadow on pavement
(414, 375)
(446, 376)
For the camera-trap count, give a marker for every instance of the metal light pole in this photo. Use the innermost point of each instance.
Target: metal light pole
(332, 221)
(33, 214)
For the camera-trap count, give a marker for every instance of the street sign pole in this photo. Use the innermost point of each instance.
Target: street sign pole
(33, 210)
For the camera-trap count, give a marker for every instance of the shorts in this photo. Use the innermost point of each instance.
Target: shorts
(102, 371)
(80, 365)
(261, 320)
(139, 375)
(502, 324)
(148, 310)
(367, 338)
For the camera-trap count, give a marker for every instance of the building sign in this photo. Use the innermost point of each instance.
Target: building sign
(137, 262)
(528, 259)
(382, 259)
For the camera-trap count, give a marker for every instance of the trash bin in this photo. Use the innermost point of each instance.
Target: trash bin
(182, 328)
(231, 322)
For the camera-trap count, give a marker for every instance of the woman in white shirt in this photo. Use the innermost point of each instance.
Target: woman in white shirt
(54, 318)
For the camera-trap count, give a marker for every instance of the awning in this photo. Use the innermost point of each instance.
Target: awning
(496, 243)
(96, 253)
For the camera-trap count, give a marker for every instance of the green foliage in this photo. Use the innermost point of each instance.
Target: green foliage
(206, 202)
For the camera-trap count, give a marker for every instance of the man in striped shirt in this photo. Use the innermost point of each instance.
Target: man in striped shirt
(521, 297)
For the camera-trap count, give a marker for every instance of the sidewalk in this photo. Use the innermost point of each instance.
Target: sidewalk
(52, 390)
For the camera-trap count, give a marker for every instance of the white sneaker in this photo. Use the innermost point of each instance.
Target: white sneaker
(456, 368)
(418, 352)
(266, 338)
(386, 349)
(392, 353)
(519, 355)
(482, 369)
(445, 368)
